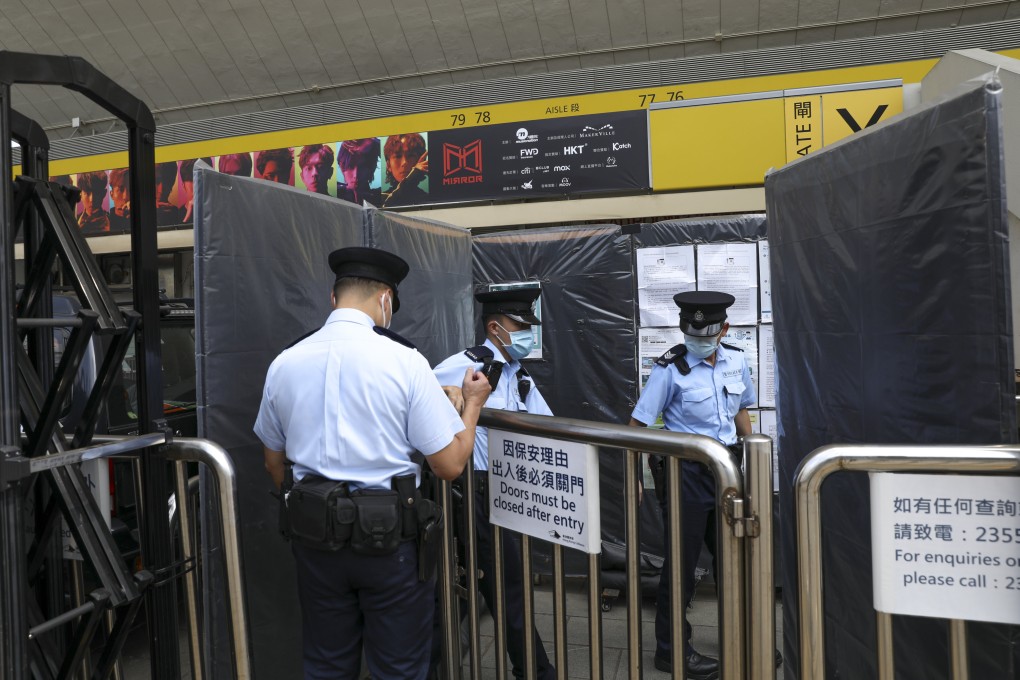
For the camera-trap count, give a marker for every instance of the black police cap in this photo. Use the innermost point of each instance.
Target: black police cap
(702, 312)
(516, 303)
(370, 263)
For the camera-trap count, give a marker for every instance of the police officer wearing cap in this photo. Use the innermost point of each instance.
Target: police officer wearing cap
(701, 386)
(348, 405)
(508, 316)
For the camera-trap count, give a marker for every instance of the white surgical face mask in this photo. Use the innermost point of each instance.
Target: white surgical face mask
(699, 347)
(382, 305)
(521, 343)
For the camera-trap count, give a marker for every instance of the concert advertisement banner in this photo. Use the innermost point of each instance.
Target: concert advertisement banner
(580, 154)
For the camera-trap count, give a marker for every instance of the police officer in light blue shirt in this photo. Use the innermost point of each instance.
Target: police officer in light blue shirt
(701, 386)
(352, 403)
(508, 316)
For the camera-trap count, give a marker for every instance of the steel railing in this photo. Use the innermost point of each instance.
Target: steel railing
(743, 518)
(812, 473)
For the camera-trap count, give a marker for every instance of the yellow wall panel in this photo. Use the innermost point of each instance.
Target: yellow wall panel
(728, 144)
(803, 119)
(844, 113)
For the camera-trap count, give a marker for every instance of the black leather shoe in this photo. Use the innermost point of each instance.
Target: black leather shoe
(698, 667)
(701, 667)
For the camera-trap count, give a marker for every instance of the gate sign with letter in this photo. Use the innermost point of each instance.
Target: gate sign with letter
(946, 546)
(545, 488)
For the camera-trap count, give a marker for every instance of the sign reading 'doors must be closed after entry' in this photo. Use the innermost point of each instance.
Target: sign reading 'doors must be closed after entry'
(545, 488)
(946, 546)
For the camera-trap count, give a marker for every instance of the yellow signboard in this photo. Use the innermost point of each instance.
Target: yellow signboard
(716, 145)
(803, 125)
(734, 141)
(845, 113)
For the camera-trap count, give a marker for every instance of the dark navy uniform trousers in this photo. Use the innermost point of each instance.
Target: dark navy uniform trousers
(698, 517)
(350, 601)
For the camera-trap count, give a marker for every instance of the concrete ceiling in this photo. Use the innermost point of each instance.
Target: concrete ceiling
(198, 59)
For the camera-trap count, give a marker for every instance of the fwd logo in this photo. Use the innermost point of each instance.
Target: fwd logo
(529, 153)
(573, 150)
(854, 125)
(463, 161)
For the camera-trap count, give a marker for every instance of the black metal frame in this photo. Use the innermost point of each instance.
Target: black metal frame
(32, 388)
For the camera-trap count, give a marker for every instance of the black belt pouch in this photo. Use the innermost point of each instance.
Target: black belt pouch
(312, 512)
(377, 527)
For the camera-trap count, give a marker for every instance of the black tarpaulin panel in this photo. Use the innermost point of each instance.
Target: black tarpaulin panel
(890, 291)
(724, 229)
(588, 369)
(262, 280)
(436, 302)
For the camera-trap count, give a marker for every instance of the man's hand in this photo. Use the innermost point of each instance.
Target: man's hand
(456, 397)
(476, 388)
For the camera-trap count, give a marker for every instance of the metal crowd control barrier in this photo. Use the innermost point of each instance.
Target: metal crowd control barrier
(812, 473)
(745, 516)
(183, 450)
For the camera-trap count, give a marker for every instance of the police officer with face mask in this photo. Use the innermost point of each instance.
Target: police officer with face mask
(508, 316)
(700, 387)
(349, 406)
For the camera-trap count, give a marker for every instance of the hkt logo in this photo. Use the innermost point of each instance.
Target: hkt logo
(529, 153)
(466, 160)
(573, 150)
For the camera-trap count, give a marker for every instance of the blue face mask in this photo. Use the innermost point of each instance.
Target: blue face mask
(521, 343)
(699, 348)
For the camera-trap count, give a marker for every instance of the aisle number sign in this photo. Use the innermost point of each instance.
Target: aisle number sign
(946, 546)
(545, 488)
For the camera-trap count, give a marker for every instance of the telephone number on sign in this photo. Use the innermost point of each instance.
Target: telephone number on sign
(998, 535)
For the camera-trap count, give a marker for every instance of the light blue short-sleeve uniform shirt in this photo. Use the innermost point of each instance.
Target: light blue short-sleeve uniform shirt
(349, 404)
(505, 397)
(705, 401)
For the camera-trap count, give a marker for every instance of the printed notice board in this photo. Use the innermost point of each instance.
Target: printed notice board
(545, 488)
(946, 546)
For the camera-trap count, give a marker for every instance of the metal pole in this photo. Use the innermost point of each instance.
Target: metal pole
(218, 461)
(14, 582)
(78, 598)
(595, 616)
(499, 595)
(883, 629)
(674, 507)
(761, 615)
(631, 461)
(447, 596)
(471, 558)
(958, 649)
(531, 669)
(157, 554)
(188, 552)
(813, 471)
(559, 613)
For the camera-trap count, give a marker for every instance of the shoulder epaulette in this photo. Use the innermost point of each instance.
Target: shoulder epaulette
(675, 355)
(479, 353)
(733, 347)
(395, 337)
(306, 335)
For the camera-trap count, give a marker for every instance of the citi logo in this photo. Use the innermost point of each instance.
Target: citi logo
(561, 168)
(529, 153)
(573, 150)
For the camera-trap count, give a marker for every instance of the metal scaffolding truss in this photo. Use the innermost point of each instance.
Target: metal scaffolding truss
(39, 636)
